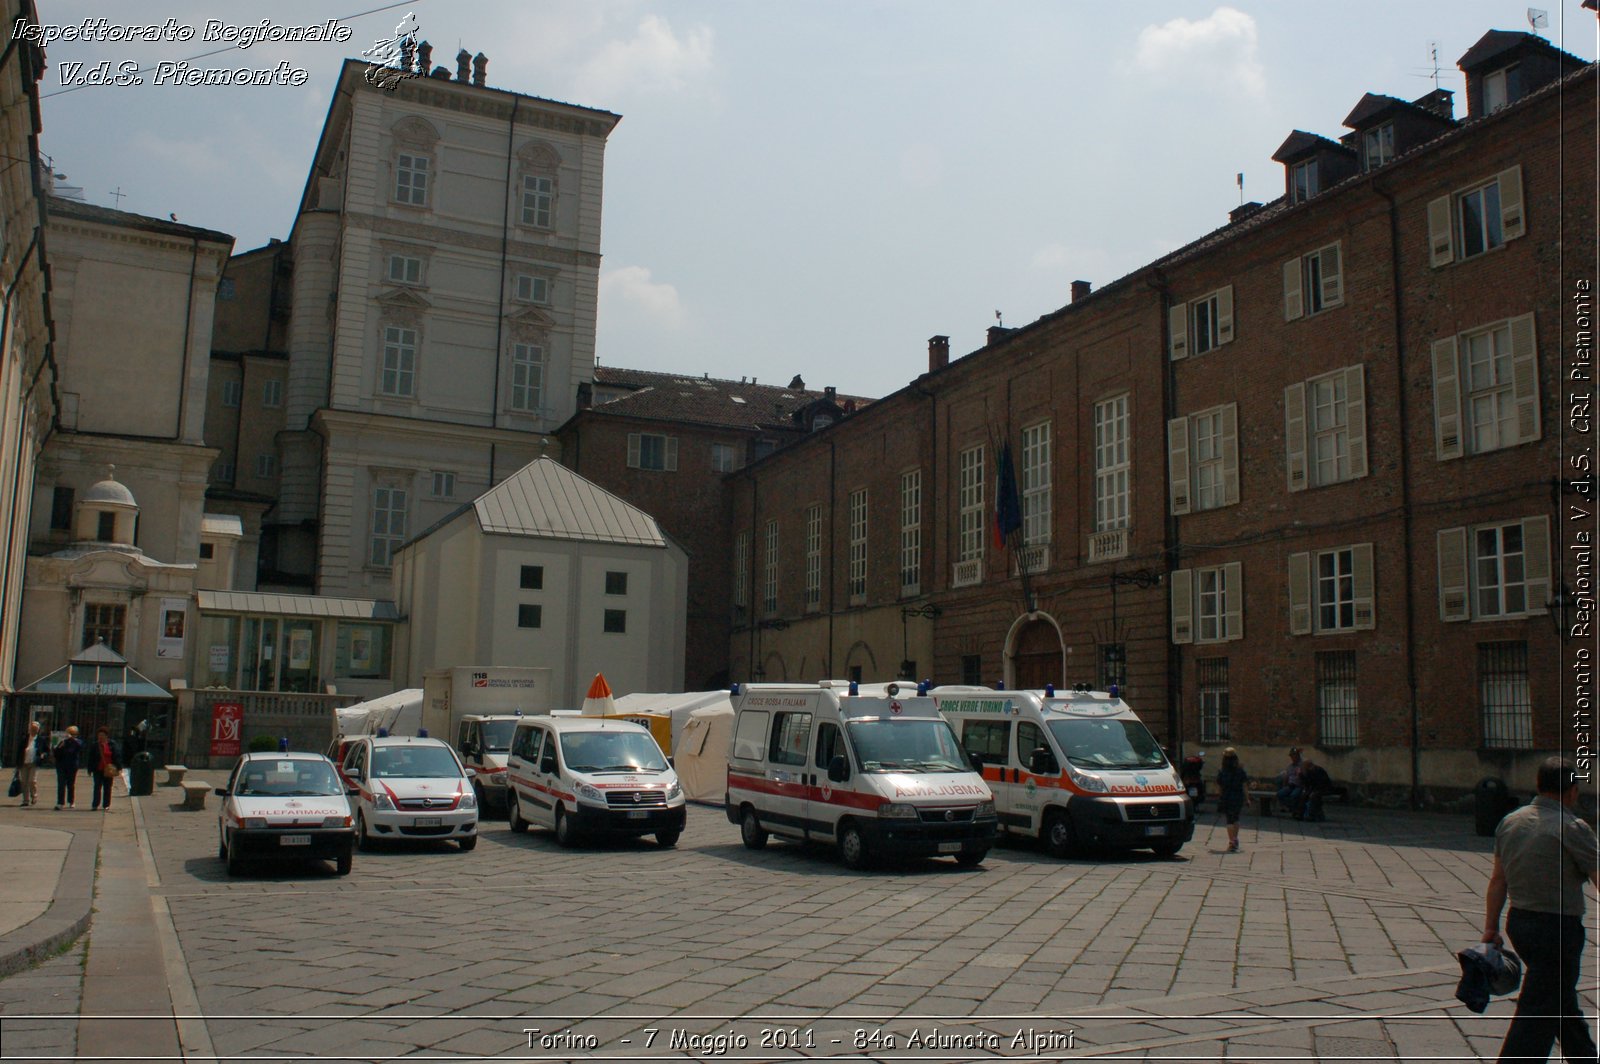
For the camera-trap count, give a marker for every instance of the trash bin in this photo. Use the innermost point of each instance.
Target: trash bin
(141, 774)
(1491, 801)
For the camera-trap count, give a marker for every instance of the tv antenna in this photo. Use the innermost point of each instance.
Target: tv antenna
(1537, 19)
(117, 195)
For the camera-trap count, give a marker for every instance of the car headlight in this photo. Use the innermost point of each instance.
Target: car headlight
(674, 791)
(897, 811)
(985, 810)
(255, 823)
(335, 821)
(468, 799)
(591, 793)
(1091, 783)
(381, 801)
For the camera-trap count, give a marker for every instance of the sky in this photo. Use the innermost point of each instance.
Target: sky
(809, 188)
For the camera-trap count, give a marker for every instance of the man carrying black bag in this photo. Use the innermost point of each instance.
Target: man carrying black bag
(1542, 855)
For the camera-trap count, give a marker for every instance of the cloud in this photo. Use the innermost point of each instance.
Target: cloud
(638, 295)
(1219, 49)
(654, 59)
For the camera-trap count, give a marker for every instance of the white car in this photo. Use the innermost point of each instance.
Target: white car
(284, 806)
(409, 787)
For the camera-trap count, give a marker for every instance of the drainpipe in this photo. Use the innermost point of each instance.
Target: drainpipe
(22, 427)
(1408, 546)
(188, 333)
(500, 296)
(750, 584)
(1169, 547)
(833, 508)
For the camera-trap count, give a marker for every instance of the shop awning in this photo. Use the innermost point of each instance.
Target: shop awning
(98, 671)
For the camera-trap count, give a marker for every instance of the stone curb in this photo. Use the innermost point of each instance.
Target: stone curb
(68, 916)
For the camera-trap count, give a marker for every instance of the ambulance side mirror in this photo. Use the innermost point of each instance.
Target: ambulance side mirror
(838, 769)
(1043, 763)
(975, 759)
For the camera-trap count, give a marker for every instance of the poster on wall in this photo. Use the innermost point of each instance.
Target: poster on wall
(219, 657)
(174, 619)
(360, 649)
(227, 727)
(300, 648)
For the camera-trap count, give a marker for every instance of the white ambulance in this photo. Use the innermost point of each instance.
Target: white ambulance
(1075, 768)
(871, 774)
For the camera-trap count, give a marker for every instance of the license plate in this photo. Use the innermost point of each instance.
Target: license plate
(1156, 829)
(427, 822)
(637, 814)
(949, 847)
(294, 840)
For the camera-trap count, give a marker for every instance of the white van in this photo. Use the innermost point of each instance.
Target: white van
(582, 775)
(484, 743)
(871, 774)
(1076, 768)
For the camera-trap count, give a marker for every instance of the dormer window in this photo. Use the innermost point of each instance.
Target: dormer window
(1304, 177)
(1500, 88)
(1378, 146)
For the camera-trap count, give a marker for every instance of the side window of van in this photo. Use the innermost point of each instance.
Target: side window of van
(1029, 739)
(791, 733)
(830, 741)
(547, 760)
(750, 737)
(990, 739)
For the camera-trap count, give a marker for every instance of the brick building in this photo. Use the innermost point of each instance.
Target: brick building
(1299, 482)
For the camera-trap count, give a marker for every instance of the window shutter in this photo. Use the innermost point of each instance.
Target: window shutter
(1230, 454)
(1355, 395)
(1512, 223)
(1182, 606)
(1332, 275)
(1536, 561)
(1446, 399)
(1293, 305)
(1453, 603)
(1525, 378)
(1294, 435)
(633, 450)
(1178, 326)
(1224, 314)
(1178, 464)
(1441, 250)
(1362, 599)
(1233, 600)
(1300, 594)
(672, 453)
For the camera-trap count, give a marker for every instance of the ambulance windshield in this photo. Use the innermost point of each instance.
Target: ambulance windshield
(612, 751)
(415, 762)
(1108, 744)
(915, 745)
(497, 735)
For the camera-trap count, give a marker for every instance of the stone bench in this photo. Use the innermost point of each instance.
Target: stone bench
(194, 795)
(1263, 797)
(174, 775)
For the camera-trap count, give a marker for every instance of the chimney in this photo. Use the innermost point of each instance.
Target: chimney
(996, 334)
(425, 59)
(1440, 101)
(463, 61)
(480, 69)
(1243, 211)
(798, 383)
(1081, 289)
(830, 393)
(938, 353)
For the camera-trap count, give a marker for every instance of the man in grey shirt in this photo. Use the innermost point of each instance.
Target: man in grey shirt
(1542, 855)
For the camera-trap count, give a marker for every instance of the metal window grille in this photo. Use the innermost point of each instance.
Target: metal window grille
(814, 556)
(1212, 677)
(1336, 697)
(1114, 667)
(911, 531)
(1504, 697)
(972, 669)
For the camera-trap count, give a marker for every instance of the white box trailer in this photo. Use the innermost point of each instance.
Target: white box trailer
(481, 690)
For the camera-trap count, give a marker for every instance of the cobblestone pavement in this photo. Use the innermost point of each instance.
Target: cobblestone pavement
(1331, 942)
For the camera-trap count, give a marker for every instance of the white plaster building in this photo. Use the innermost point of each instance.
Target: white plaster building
(446, 263)
(546, 569)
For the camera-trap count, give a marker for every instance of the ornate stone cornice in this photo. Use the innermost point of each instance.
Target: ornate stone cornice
(414, 230)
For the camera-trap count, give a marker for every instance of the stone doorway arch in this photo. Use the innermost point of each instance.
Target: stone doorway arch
(1035, 653)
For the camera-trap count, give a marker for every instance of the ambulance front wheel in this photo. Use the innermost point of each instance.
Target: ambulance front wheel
(344, 862)
(667, 839)
(565, 836)
(1059, 834)
(751, 831)
(514, 814)
(1167, 849)
(853, 847)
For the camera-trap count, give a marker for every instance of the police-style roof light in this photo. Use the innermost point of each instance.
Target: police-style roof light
(519, 711)
(855, 689)
(383, 733)
(1112, 690)
(1049, 690)
(922, 687)
(422, 733)
(999, 685)
(733, 688)
(283, 745)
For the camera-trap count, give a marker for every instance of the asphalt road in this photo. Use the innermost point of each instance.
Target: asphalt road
(1331, 941)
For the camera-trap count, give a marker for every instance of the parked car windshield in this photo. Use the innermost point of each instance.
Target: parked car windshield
(287, 778)
(414, 762)
(1108, 744)
(914, 745)
(497, 735)
(611, 751)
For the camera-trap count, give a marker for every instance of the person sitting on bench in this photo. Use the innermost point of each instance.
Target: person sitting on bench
(1291, 795)
(1316, 784)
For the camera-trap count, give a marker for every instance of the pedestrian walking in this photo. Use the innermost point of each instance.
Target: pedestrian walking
(66, 755)
(105, 763)
(1231, 783)
(1542, 855)
(35, 752)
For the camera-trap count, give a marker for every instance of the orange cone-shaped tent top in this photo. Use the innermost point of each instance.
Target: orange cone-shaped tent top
(599, 703)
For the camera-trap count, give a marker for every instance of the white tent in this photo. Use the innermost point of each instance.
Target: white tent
(701, 752)
(399, 712)
(678, 706)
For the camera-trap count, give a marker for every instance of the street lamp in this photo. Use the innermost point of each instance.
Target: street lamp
(930, 611)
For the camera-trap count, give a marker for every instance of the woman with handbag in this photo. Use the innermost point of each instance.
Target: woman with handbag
(105, 763)
(66, 756)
